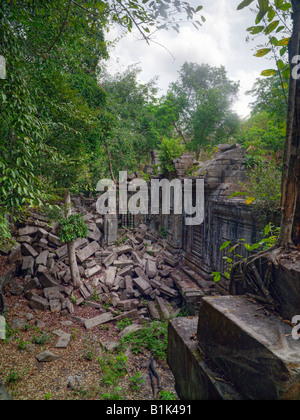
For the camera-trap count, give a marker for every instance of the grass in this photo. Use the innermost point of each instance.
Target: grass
(153, 337)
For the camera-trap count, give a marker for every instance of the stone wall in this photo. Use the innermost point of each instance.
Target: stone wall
(225, 218)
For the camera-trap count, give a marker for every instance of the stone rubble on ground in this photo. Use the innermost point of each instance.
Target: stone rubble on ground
(132, 279)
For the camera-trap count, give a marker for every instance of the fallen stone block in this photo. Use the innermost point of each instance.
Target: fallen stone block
(90, 272)
(153, 312)
(255, 351)
(42, 258)
(162, 308)
(52, 293)
(170, 261)
(54, 239)
(85, 292)
(88, 251)
(150, 268)
(110, 259)
(55, 305)
(123, 263)
(32, 284)
(99, 320)
(143, 286)
(46, 357)
(133, 314)
(39, 303)
(28, 250)
(110, 276)
(27, 239)
(28, 265)
(28, 231)
(128, 305)
(124, 249)
(63, 341)
(47, 280)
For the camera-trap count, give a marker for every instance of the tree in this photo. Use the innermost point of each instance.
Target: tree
(251, 270)
(132, 135)
(206, 95)
(52, 108)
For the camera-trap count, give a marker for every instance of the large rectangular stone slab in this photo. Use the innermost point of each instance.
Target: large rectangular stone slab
(256, 351)
(196, 379)
(99, 320)
(88, 251)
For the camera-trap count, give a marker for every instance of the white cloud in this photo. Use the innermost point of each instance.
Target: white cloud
(220, 41)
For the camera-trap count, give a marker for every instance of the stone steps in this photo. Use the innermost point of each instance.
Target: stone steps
(192, 287)
(253, 350)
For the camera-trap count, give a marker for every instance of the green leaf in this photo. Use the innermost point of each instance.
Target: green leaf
(225, 245)
(268, 73)
(244, 4)
(270, 28)
(262, 52)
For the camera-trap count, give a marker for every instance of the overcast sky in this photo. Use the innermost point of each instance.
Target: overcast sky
(220, 41)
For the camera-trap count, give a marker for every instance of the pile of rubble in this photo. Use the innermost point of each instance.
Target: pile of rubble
(132, 279)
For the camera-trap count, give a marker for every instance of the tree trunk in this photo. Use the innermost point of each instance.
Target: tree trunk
(71, 248)
(290, 201)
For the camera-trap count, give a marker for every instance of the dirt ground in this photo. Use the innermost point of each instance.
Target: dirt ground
(78, 373)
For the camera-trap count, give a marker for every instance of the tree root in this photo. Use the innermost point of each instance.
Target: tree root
(255, 276)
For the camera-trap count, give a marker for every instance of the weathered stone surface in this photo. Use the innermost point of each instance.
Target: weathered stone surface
(88, 251)
(17, 289)
(39, 303)
(47, 357)
(151, 270)
(99, 320)
(64, 341)
(51, 293)
(128, 304)
(256, 351)
(54, 239)
(196, 379)
(27, 250)
(28, 265)
(4, 395)
(92, 271)
(32, 284)
(162, 308)
(123, 263)
(47, 280)
(28, 231)
(110, 259)
(153, 312)
(55, 305)
(143, 286)
(42, 258)
(110, 276)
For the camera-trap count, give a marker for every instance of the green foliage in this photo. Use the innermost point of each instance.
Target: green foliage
(170, 149)
(72, 228)
(273, 22)
(234, 250)
(124, 323)
(113, 369)
(153, 337)
(41, 339)
(203, 96)
(263, 190)
(136, 381)
(167, 396)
